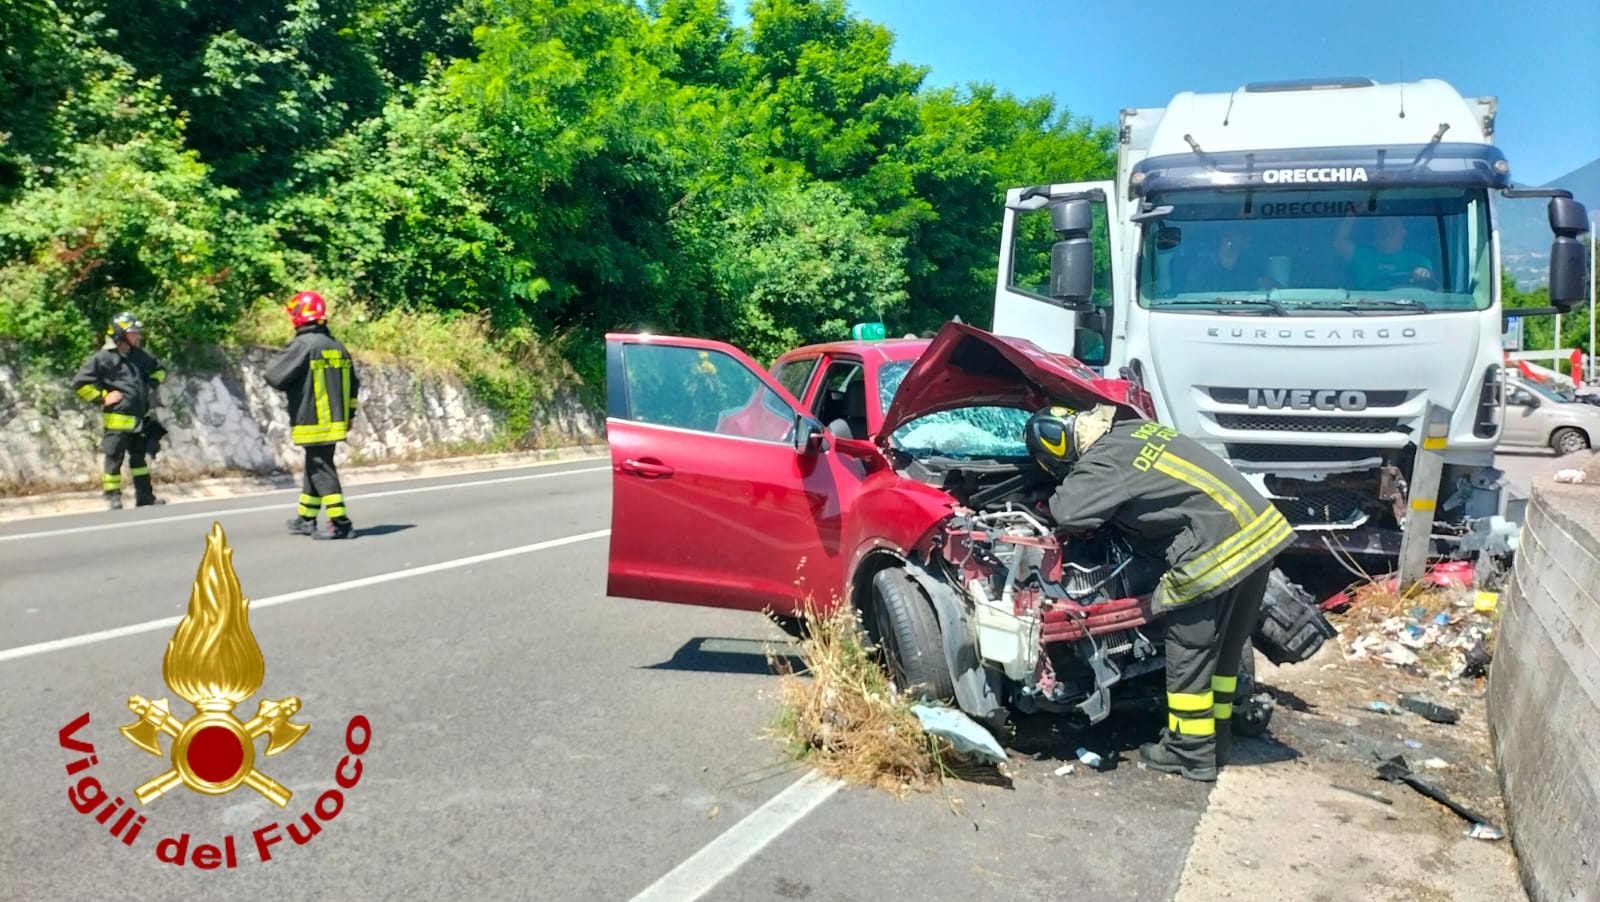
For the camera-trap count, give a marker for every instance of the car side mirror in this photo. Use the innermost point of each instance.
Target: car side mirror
(810, 437)
(1569, 275)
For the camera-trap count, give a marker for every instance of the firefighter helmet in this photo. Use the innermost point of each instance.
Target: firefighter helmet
(307, 307)
(1052, 440)
(122, 324)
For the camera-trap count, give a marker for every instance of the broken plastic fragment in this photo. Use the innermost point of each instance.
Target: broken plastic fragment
(1413, 744)
(963, 732)
(1089, 758)
(1063, 770)
(1428, 710)
(1436, 764)
(1573, 476)
(1486, 601)
(1484, 831)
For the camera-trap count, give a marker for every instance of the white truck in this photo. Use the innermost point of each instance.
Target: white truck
(1305, 275)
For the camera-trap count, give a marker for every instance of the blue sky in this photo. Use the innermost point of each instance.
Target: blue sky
(1541, 58)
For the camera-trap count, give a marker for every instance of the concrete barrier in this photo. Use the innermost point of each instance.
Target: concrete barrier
(1544, 690)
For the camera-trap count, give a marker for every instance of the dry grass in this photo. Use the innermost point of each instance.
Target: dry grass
(841, 714)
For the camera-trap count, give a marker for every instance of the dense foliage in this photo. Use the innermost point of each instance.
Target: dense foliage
(547, 169)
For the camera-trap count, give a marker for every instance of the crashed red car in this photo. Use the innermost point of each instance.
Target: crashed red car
(890, 475)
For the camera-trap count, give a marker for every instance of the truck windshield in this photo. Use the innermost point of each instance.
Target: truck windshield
(1373, 251)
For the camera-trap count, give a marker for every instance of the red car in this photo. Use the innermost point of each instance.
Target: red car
(891, 475)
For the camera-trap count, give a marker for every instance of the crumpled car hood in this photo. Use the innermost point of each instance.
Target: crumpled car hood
(965, 366)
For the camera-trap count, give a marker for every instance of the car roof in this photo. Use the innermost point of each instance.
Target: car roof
(887, 349)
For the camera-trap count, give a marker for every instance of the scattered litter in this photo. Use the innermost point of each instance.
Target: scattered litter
(964, 733)
(1475, 663)
(1426, 629)
(1089, 758)
(1428, 710)
(1396, 770)
(1436, 764)
(1063, 770)
(1362, 793)
(1484, 831)
(1413, 744)
(1570, 476)
(1379, 707)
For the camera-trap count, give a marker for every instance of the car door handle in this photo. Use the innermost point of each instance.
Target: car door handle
(649, 469)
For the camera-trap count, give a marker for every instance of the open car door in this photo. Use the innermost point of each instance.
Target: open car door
(723, 493)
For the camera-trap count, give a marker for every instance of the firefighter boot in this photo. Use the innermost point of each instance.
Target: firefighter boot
(114, 500)
(338, 528)
(1174, 755)
(144, 494)
(302, 526)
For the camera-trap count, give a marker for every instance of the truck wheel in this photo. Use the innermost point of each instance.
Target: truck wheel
(1567, 440)
(909, 634)
(1250, 714)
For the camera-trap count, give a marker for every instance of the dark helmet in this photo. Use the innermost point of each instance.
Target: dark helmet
(1052, 440)
(122, 324)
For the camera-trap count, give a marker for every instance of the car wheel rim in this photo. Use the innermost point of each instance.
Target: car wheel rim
(1572, 442)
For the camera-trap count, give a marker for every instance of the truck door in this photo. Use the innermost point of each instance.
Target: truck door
(1023, 306)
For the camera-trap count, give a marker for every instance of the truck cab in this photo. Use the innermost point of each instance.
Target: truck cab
(1305, 276)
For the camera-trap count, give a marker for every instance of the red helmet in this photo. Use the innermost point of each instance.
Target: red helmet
(307, 307)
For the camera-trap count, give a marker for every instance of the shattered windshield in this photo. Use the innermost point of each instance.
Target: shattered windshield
(967, 432)
(1280, 251)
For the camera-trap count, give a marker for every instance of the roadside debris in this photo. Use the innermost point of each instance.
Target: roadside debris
(1090, 758)
(1064, 770)
(1396, 770)
(964, 733)
(1441, 626)
(1429, 711)
(1574, 476)
(1362, 793)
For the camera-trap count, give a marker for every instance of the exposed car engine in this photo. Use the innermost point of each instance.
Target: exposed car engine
(1063, 619)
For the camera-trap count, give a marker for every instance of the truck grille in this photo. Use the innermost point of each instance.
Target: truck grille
(1364, 425)
(1374, 398)
(1320, 507)
(1283, 454)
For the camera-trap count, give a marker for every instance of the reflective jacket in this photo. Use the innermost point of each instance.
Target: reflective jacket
(1175, 501)
(318, 377)
(136, 374)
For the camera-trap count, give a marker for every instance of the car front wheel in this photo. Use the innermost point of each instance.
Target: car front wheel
(908, 632)
(1567, 440)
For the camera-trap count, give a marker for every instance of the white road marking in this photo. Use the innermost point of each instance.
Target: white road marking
(743, 841)
(39, 648)
(352, 496)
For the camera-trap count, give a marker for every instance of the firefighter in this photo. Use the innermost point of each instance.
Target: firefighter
(122, 378)
(1178, 503)
(318, 378)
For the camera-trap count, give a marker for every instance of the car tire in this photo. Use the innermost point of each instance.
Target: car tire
(1251, 715)
(1567, 440)
(909, 636)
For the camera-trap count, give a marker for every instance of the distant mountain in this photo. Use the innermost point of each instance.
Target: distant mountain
(1525, 230)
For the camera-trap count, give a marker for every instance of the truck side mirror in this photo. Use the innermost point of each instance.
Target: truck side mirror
(1072, 258)
(1569, 270)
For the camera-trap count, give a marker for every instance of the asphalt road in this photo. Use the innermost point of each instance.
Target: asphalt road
(530, 738)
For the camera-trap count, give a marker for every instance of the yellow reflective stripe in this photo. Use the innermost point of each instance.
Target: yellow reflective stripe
(140, 471)
(319, 387)
(309, 499)
(1422, 504)
(330, 433)
(344, 376)
(1435, 444)
(1189, 701)
(332, 499)
(119, 422)
(1197, 726)
(1223, 711)
(89, 392)
(111, 482)
(159, 375)
(1247, 558)
(1224, 684)
(1200, 567)
(1225, 497)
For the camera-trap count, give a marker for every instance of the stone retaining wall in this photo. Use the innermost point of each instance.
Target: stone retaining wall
(1544, 690)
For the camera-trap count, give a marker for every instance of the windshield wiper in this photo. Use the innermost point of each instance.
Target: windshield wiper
(1410, 303)
(1255, 303)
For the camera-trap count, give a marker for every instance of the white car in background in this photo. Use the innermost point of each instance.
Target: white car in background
(1537, 415)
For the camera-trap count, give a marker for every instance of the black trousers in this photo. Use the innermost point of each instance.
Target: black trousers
(1205, 643)
(115, 446)
(320, 487)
